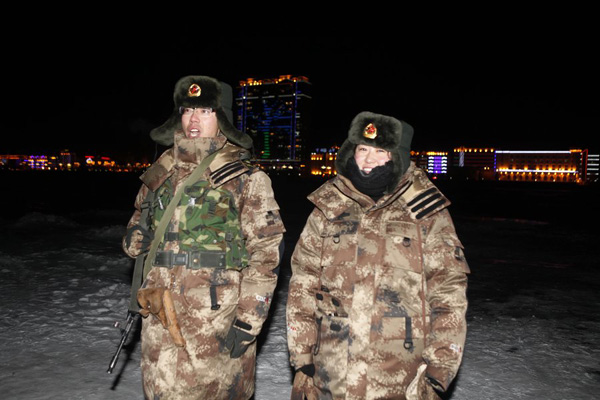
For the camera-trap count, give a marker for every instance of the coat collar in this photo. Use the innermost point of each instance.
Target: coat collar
(186, 154)
(338, 194)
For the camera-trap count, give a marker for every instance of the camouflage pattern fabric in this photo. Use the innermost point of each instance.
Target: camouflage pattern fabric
(209, 222)
(207, 300)
(377, 292)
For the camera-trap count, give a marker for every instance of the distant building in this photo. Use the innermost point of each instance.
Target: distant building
(435, 163)
(276, 114)
(473, 163)
(12, 161)
(68, 159)
(592, 165)
(282, 167)
(542, 165)
(37, 162)
(322, 162)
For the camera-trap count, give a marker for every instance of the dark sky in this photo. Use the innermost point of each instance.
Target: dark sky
(104, 94)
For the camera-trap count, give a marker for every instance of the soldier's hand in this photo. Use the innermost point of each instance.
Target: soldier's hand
(158, 302)
(151, 302)
(303, 387)
(146, 240)
(138, 238)
(421, 388)
(237, 339)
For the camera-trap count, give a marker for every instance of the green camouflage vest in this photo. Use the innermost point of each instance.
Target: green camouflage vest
(208, 223)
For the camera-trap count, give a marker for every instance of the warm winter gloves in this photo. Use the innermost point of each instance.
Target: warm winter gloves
(158, 302)
(237, 339)
(140, 238)
(303, 387)
(421, 387)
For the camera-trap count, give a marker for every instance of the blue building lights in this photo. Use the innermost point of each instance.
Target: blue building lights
(275, 113)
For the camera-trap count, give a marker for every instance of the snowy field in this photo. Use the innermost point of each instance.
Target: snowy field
(534, 291)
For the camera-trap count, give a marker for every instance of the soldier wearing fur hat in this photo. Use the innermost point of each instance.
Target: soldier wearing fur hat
(208, 229)
(377, 299)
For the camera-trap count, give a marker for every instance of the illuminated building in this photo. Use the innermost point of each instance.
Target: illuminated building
(37, 162)
(433, 162)
(276, 114)
(67, 159)
(541, 165)
(475, 163)
(12, 161)
(593, 163)
(322, 162)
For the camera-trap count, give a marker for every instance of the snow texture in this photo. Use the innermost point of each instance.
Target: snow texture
(534, 293)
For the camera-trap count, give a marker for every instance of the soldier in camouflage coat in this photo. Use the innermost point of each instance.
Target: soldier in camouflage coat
(377, 300)
(216, 264)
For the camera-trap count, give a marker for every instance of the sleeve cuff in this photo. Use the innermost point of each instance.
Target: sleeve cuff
(438, 378)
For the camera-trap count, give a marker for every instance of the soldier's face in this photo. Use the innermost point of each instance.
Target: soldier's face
(369, 157)
(195, 124)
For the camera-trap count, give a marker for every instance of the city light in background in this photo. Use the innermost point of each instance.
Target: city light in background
(277, 114)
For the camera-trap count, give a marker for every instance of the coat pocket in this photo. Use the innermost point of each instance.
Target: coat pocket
(331, 356)
(210, 298)
(339, 243)
(403, 246)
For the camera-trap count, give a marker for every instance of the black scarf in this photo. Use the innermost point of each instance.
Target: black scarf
(374, 183)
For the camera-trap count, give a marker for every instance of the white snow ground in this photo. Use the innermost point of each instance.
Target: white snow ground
(534, 321)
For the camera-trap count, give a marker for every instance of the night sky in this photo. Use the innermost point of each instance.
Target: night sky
(104, 94)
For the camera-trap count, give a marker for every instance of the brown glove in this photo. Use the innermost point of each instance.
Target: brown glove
(303, 387)
(158, 302)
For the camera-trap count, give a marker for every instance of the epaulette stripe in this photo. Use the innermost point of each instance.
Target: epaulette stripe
(430, 208)
(425, 202)
(226, 169)
(230, 172)
(421, 196)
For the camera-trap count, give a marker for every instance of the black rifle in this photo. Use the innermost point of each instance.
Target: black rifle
(136, 282)
(131, 317)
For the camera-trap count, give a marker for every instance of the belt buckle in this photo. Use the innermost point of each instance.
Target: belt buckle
(179, 259)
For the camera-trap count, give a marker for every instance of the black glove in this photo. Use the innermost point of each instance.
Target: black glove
(303, 387)
(308, 370)
(434, 383)
(238, 340)
(147, 238)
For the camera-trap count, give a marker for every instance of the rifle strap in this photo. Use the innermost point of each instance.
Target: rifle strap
(136, 280)
(143, 262)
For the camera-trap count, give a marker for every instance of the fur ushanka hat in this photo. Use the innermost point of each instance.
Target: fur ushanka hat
(380, 131)
(202, 91)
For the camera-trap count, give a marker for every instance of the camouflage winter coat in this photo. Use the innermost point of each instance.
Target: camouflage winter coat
(231, 272)
(378, 290)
